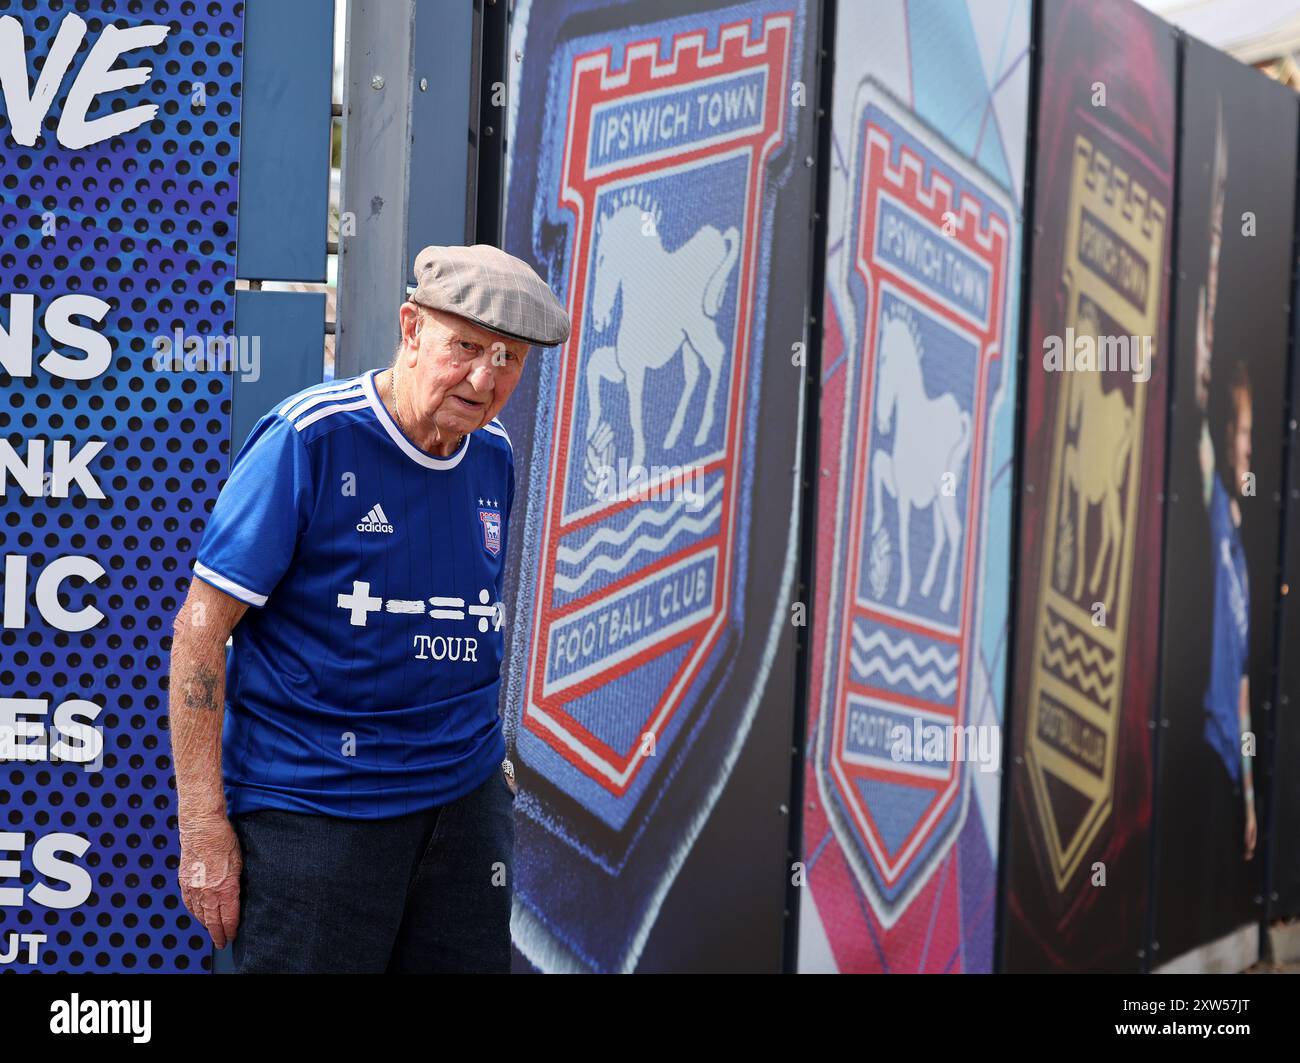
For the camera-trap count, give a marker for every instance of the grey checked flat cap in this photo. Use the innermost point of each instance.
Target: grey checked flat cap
(492, 289)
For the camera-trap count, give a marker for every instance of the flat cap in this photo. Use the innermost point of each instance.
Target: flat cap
(493, 289)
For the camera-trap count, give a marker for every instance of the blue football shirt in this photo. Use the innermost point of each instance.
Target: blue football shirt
(364, 681)
(1230, 653)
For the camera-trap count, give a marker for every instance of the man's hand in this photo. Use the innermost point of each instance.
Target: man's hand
(209, 874)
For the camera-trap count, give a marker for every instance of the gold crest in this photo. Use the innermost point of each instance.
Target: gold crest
(1113, 272)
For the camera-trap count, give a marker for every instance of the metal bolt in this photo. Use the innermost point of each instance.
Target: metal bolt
(488, 131)
(424, 84)
(519, 56)
(377, 82)
(808, 160)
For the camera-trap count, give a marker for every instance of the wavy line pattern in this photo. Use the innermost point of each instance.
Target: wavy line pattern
(642, 544)
(1080, 676)
(895, 650)
(617, 537)
(894, 660)
(1061, 634)
(904, 672)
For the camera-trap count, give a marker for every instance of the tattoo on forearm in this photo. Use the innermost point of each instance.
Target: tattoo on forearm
(201, 690)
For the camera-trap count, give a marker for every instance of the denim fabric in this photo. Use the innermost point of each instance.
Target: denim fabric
(424, 893)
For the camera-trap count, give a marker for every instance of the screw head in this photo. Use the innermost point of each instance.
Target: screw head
(377, 82)
(424, 84)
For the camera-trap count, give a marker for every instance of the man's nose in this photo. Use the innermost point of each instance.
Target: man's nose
(482, 378)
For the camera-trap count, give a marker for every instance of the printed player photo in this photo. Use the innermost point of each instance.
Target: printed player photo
(1224, 457)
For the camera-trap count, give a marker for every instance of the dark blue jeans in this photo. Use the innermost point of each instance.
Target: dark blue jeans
(424, 893)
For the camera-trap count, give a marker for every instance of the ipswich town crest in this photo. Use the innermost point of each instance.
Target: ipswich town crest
(1115, 232)
(490, 522)
(642, 461)
(926, 271)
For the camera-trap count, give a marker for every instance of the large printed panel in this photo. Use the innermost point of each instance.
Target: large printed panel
(118, 185)
(1094, 420)
(1283, 827)
(909, 643)
(1236, 193)
(657, 180)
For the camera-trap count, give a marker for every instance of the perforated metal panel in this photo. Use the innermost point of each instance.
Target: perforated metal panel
(145, 221)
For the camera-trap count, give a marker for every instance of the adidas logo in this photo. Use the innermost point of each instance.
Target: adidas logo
(375, 521)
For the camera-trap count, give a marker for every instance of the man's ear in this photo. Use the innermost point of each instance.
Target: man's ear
(409, 317)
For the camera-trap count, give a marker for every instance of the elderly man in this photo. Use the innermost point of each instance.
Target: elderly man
(356, 815)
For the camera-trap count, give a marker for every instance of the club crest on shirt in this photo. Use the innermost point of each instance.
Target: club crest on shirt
(490, 521)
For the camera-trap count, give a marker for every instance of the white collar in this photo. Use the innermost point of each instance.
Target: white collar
(420, 457)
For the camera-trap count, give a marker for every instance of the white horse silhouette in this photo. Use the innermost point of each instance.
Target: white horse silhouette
(930, 442)
(670, 300)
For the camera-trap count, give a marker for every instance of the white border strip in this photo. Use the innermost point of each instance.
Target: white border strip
(407, 447)
(228, 585)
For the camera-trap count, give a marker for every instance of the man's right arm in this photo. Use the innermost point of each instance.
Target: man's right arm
(210, 858)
